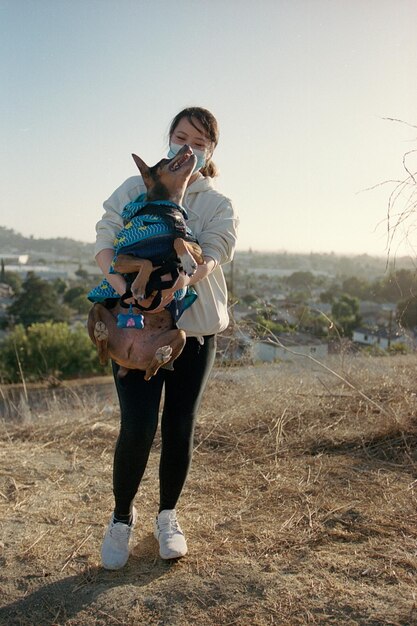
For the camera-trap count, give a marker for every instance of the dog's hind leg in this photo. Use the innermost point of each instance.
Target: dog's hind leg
(139, 284)
(128, 264)
(99, 333)
(167, 354)
(161, 357)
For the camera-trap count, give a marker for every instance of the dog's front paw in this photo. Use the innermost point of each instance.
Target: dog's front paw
(138, 289)
(138, 295)
(188, 264)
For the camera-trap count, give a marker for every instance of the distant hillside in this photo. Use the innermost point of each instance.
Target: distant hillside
(363, 265)
(12, 242)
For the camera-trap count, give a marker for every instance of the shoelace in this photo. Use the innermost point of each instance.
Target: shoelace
(120, 531)
(169, 526)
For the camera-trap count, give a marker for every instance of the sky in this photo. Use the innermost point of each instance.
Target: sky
(301, 89)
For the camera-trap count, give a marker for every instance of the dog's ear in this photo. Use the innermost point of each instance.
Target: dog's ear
(143, 168)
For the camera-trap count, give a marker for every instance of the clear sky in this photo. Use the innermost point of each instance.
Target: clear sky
(300, 89)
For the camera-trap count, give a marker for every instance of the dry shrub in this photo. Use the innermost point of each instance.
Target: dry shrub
(299, 508)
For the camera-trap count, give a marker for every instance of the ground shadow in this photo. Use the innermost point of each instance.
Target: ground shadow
(398, 447)
(51, 600)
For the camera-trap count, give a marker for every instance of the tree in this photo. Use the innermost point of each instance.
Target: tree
(13, 279)
(81, 273)
(48, 349)
(76, 298)
(299, 296)
(74, 292)
(398, 285)
(301, 280)
(81, 304)
(311, 321)
(356, 287)
(407, 312)
(37, 302)
(249, 299)
(330, 294)
(59, 286)
(345, 312)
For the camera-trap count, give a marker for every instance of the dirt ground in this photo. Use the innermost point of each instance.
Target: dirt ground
(300, 507)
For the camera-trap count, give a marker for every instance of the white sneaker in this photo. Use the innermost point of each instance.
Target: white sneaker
(172, 544)
(115, 547)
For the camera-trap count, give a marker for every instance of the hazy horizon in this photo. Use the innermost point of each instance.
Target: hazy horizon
(247, 250)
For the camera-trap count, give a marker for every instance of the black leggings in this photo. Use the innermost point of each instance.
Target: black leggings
(139, 405)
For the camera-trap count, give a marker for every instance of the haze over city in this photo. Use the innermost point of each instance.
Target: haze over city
(301, 90)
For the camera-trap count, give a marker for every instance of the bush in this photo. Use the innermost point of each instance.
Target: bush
(374, 351)
(266, 325)
(48, 349)
(398, 348)
(37, 303)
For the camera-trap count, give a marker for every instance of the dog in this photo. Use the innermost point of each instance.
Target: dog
(148, 341)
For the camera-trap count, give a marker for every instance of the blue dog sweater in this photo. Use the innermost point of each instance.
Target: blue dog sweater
(147, 236)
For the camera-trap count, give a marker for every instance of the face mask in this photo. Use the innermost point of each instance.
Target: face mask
(200, 154)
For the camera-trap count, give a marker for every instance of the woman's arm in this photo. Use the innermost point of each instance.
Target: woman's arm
(104, 259)
(183, 280)
(201, 272)
(218, 238)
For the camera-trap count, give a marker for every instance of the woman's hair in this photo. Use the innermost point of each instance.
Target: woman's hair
(211, 128)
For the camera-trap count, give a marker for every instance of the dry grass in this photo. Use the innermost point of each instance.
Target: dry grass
(300, 507)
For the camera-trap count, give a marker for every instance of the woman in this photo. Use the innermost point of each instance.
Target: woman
(214, 222)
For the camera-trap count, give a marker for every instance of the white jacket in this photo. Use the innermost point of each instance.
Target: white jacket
(213, 221)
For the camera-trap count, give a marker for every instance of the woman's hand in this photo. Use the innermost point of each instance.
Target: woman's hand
(168, 294)
(184, 281)
(118, 282)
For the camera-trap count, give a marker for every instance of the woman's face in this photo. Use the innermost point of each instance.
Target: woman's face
(192, 134)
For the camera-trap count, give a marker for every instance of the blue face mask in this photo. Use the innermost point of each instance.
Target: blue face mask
(174, 148)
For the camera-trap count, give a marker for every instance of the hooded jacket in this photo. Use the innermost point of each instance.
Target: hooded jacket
(213, 221)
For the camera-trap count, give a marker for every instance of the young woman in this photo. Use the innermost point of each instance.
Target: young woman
(214, 222)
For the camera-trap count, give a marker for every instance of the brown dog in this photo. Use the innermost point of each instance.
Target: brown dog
(159, 342)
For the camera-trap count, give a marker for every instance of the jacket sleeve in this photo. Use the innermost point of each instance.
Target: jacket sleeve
(111, 223)
(218, 238)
